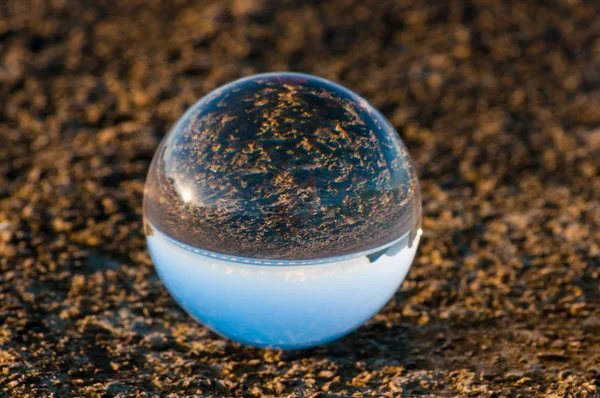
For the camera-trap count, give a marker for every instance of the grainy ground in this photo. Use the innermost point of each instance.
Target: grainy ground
(498, 103)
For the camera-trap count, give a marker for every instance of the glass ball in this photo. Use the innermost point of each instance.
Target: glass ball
(282, 210)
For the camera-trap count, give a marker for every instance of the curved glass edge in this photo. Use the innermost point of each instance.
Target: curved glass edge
(372, 254)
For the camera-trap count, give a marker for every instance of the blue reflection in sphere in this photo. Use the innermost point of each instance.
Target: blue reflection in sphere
(282, 210)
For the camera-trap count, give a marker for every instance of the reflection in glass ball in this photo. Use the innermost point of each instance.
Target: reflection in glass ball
(282, 210)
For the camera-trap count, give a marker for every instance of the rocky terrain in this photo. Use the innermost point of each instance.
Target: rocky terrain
(497, 102)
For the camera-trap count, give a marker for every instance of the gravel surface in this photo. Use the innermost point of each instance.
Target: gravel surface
(498, 104)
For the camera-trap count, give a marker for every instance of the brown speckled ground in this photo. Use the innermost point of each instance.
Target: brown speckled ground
(498, 103)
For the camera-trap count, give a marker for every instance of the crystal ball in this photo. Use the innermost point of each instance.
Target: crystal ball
(282, 210)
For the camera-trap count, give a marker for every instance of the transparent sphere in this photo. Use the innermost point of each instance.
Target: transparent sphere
(282, 210)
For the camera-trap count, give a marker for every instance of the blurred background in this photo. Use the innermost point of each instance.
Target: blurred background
(498, 103)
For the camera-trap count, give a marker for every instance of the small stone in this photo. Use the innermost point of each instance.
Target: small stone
(553, 356)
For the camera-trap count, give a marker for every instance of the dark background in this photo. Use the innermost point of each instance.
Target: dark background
(498, 102)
